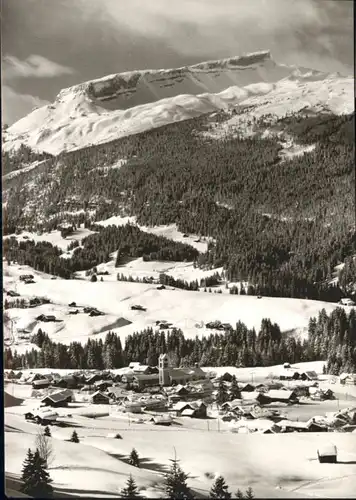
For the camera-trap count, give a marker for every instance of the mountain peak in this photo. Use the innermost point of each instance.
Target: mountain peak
(116, 105)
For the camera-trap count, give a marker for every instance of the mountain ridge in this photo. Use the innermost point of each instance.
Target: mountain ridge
(113, 106)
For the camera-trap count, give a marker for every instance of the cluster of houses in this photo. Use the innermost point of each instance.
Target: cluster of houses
(189, 392)
(92, 311)
(266, 421)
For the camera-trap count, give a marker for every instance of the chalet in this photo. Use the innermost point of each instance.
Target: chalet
(266, 413)
(99, 398)
(289, 375)
(57, 399)
(95, 312)
(91, 379)
(43, 416)
(316, 426)
(161, 420)
(197, 409)
(11, 293)
(327, 454)
(318, 394)
(145, 369)
(29, 281)
(33, 377)
(261, 388)
(181, 390)
(195, 373)
(155, 405)
(72, 304)
(24, 277)
(10, 375)
(254, 397)
(46, 318)
(67, 382)
(37, 301)
(133, 407)
(308, 375)
(292, 426)
(178, 376)
(141, 381)
(348, 379)
(138, 308)
(41, 384)
(282, 396)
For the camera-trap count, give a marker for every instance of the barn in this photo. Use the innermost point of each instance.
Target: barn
(282, 396)
(348, 379)
(141, 381)
(57, 399)
(99, 398)
(327, 454)
(41, 384)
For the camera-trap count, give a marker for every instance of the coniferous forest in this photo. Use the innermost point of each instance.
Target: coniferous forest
(330, 337)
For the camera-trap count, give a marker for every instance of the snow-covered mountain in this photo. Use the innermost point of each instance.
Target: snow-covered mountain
(105, 109)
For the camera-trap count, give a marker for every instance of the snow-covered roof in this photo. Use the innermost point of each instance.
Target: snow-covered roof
(181, 404)
(187, 412)
(280, 394)
(292, 423)
(99, 393)
(328, 449)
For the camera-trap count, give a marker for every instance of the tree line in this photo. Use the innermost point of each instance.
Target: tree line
(330, 337)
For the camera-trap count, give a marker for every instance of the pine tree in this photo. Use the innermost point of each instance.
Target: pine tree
(176, 483)
(74, 438)
(27, 472)
(220, 489)
(134, 459)
(235, 392)
(222, 395)
(47, 431)
(35, 477)
(131, 490)
(239, 494)
(249, 494)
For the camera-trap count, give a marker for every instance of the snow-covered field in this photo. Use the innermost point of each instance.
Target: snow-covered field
(277, 465)
(187, 310)
(54, 237)
(78, 118)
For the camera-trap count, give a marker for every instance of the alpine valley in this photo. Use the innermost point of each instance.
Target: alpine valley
(233, 177)
(180, 243)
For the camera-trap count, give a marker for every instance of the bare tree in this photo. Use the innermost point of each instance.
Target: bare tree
(45, 447)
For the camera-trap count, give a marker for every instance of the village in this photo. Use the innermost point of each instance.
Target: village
(289, 400)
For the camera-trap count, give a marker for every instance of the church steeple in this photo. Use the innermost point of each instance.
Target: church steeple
(163, 370)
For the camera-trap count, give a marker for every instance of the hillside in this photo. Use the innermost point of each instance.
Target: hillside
(189, 311)
(118, 105)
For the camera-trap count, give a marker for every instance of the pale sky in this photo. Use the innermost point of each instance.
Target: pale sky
(48, 45)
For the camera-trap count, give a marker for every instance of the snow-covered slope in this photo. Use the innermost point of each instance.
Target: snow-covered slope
(187, 310)
(117, 105)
